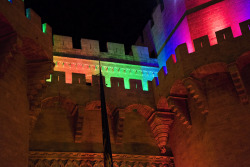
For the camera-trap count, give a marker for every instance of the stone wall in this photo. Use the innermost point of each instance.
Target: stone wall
(14, 113)
(25, 62)
(129, 110)
(177, 22)
(208, 90)
(90, 49)
(219, 138)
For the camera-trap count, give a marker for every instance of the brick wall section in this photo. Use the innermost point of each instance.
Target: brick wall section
(14, 121)
(220, 138)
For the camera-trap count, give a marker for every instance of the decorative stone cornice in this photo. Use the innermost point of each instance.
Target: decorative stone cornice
(79, 159)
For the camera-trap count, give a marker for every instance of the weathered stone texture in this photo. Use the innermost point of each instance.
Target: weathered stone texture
(219, 138)
(54, 132)
(14, 112)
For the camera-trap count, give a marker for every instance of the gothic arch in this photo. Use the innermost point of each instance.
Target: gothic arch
(208, 69)
(54, 111)
(178, 89)
(42, 163)
(162, 103)
(57, 163)
(157, 121)
(143, 110)
(85, 164)
(96, 105)
(243, 60)
(65, 103)
(71, 164)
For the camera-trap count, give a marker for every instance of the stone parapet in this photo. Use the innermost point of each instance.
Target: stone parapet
(90, 49)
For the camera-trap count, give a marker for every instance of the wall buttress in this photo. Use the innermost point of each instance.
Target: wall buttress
(119, 122)
(238, 83)
(160, 123)
(79, 124)
(179, 106)
(195, 90)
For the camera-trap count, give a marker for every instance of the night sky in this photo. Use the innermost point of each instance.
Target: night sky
(120, 21)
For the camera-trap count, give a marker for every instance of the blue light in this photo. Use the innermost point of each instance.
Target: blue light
(156, 81)
(28, 13)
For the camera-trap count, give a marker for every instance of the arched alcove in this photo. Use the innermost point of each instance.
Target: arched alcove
(92, 123)
(208, 69)
(55, 124)
(137, 134)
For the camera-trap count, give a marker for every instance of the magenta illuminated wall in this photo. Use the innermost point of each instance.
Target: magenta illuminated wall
(228, 13)
(205, 21)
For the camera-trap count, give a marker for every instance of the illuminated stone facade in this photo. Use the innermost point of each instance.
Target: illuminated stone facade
(192, 110)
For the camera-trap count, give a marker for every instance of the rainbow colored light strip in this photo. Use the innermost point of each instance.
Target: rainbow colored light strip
(109, 69)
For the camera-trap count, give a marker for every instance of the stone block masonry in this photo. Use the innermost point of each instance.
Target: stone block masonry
(25, 63)
(90, 50)
(214, 87)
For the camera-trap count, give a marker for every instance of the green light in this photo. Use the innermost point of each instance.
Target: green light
(44, 27)
(126, 83)
(108, 81)
(109, 69)
(49, 80)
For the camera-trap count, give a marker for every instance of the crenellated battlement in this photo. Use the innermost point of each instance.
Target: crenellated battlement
(177, 22)
(117, 84)
(91, 48)
(112, 83)
(90, 68)
(27, 24)
(184, 64)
